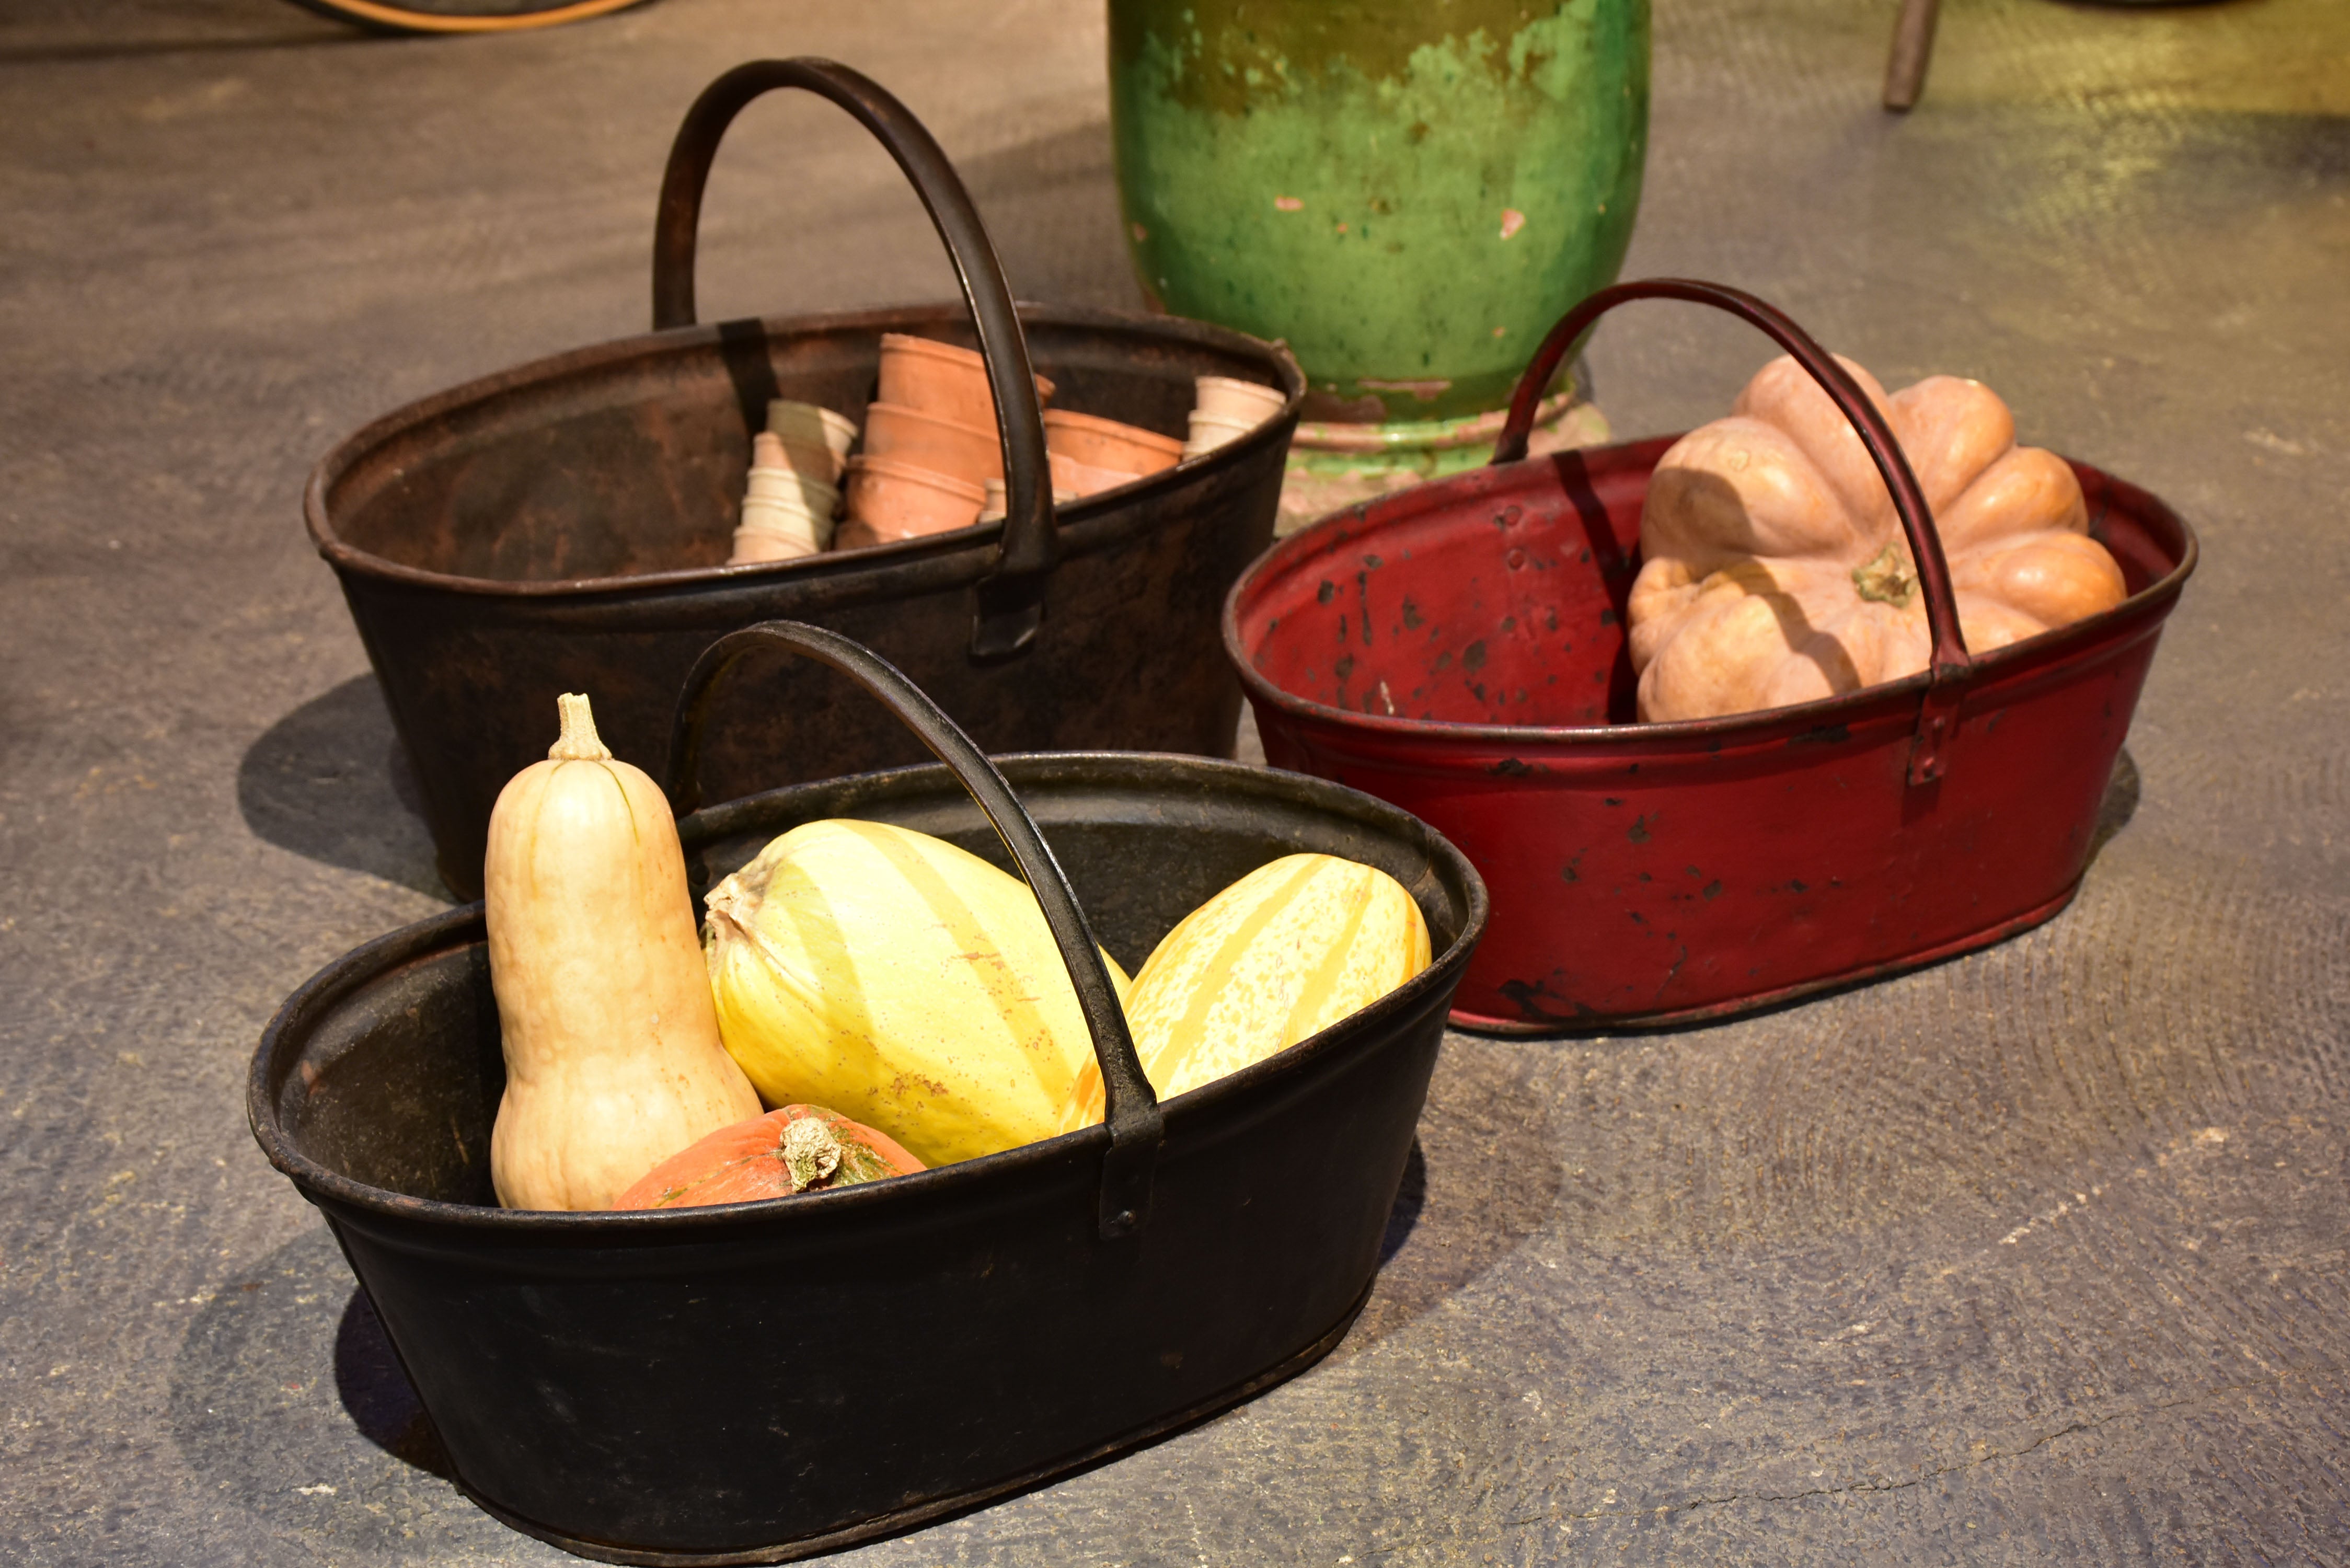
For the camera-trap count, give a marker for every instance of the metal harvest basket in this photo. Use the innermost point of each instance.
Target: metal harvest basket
(762, 1381)
(1656, 874)
(566, 524)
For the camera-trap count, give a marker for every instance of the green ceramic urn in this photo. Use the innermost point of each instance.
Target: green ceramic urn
(1407, 192)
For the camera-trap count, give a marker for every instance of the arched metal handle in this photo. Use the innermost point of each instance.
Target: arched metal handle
(1011, 595)
(1950, 664)
(1136, 1122)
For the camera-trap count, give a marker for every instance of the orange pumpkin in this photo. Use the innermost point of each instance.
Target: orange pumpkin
(1774, 570)
(799, 1148)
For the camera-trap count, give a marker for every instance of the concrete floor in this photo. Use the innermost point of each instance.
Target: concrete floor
(2036, 1256)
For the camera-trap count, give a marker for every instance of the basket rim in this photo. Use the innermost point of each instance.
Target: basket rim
(438, 935)
(1885, 699)
(348, 454)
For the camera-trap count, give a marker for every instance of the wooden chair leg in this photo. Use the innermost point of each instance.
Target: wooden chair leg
(1913, 46)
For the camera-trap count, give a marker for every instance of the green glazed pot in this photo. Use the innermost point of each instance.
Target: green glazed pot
(1409, 192)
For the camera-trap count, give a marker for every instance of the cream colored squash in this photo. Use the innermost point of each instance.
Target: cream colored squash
(613, 1058)
(1284, 953)
(1774, 570)
(901, 981)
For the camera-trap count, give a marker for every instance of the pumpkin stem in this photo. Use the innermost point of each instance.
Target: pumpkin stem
(811, 1154)
(578, 743)
(1886, 578)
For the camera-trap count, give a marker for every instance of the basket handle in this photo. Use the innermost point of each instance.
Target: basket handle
(1135, 1123)
(1950, 664)
(1012, 595)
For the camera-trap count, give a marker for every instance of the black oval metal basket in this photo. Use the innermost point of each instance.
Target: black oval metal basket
(758, 1382)
(567, 523)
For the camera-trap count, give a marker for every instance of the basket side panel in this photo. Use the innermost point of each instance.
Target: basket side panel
(1631, 880)
(1495, 598)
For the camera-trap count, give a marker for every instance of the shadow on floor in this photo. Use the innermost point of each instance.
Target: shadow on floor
(285, 1393)
(2113, 812)
(329, 780)
(376, 1393)
(1411, 1197)
(1482, 1177)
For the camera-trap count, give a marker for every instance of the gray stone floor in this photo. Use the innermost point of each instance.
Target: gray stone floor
(2036, 1256)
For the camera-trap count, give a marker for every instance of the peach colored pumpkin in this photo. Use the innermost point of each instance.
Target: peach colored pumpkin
(1774, 570)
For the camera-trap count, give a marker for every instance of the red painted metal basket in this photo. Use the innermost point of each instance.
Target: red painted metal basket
(1459, 651)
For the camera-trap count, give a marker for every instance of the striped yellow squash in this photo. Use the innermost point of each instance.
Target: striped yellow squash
(1284, 953)
(901, 981)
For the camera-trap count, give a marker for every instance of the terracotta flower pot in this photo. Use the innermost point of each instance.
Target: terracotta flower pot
(807, 425)
(972, 453)
(755, 546)
(789, 488)
(1209, 431)
(1072, 478)
(1227, 399)
(769, 451)
(999, 503)
(890, 500)
(780, 528)
(857, 535)
(787, 510)
(1105, 444)
(783, 518)
(942, 379)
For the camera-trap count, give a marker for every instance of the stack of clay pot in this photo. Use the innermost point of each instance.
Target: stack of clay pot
(931, 444)
(1227, 410)
(1089, 453)
(795, 489)
(932, 461)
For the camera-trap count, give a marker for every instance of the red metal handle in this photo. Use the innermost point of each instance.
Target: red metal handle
(1950, 664)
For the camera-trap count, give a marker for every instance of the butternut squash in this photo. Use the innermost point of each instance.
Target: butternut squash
(902, 980)
(1284, 953)
(613, 1056)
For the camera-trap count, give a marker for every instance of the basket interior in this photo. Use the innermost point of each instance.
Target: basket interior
(396, 1085)
(631, 458)
(1499, 596)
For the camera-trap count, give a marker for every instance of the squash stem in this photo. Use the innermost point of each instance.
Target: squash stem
(578, 743)
(1886, 579)
(811, 1153)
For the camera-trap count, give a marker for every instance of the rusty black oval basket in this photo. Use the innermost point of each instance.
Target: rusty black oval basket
(757, 1382)
(565, 524)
